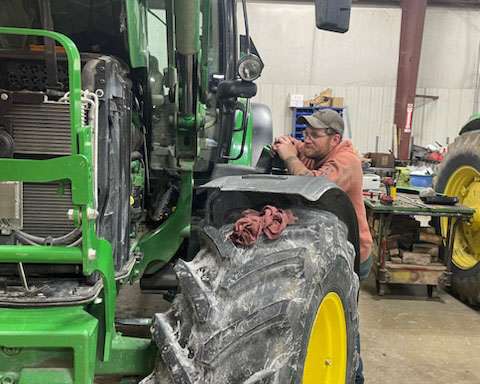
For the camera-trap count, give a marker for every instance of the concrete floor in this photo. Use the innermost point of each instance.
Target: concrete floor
(408, 338)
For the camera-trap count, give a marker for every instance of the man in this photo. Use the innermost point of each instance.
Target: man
(324, 153)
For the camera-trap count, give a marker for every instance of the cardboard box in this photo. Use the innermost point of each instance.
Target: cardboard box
(381, 160)
(318, 102)
(324, 99)
(337, 102)
(296, 101)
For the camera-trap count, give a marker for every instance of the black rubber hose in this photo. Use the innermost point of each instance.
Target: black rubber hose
(62, 240)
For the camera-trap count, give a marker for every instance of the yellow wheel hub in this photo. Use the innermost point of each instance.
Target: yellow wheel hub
(326, 360)
(465, 184)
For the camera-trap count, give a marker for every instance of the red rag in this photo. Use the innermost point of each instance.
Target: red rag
(271, 221)
(248, 228)
(275, 220)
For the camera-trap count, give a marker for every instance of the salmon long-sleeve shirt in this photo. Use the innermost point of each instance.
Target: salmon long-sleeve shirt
(343, 166)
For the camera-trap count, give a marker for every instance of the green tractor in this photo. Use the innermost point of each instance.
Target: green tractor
(459, 175)
(128, 148)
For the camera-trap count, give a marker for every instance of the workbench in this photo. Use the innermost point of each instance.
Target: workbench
(429, 275)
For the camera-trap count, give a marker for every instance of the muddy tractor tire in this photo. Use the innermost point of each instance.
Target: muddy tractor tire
(282, 311)
(459, 175)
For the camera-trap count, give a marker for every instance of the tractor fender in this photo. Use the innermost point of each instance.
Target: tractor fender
(231, 194)
(472, 125)
(262, 130)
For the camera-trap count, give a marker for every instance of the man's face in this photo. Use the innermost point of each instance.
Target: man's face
(318, 143)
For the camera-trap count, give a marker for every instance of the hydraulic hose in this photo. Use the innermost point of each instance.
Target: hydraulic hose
(37, 240)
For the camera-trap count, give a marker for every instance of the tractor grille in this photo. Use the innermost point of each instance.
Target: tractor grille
(41, 129)
(45, 209)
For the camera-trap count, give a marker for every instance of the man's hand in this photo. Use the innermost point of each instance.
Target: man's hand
(285, 147)
(285, 139)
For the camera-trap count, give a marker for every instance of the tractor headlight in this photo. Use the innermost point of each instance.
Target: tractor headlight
(250, 67)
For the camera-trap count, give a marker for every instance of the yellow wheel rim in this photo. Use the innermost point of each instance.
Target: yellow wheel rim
(465, 184)
(326, 361)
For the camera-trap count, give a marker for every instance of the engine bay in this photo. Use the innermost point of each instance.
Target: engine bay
(35, 125)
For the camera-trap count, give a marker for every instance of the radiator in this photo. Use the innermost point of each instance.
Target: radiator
(40, 129)
(43, 131)
(45, 209)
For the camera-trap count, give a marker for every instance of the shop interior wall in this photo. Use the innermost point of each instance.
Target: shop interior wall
(361, 66)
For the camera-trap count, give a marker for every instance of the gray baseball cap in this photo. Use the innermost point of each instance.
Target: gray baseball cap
(324, 118)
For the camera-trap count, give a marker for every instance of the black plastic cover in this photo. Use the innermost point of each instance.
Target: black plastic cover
(333, 15)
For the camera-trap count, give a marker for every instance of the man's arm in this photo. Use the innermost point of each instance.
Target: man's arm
(296, 167)
(341, 170)
(288, 148)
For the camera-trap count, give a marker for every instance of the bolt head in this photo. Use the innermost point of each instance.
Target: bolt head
(9, 351)
(92, 254)
(92, 214)
(7, 380)
(4, 96)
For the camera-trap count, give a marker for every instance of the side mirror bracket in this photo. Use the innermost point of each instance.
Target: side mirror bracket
(233, 89)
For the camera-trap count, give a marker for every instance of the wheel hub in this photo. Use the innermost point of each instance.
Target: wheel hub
(472, 200)
(465, 184)
(326, 360)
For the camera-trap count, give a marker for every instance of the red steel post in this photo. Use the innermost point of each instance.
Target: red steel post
(413, 18)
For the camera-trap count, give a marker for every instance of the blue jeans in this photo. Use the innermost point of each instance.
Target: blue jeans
(363, 275)
(365, 268)
(359, 378)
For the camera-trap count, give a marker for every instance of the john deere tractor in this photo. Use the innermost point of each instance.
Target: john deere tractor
(459, 175)
(128, 148)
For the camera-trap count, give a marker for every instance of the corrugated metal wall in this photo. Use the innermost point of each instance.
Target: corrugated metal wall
(442, 119)
(361, 66)
(370, 111)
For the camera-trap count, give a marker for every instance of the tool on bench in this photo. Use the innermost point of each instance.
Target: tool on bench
(429, 196)
(391, 191)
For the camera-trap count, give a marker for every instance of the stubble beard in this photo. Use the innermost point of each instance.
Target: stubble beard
(315, 154)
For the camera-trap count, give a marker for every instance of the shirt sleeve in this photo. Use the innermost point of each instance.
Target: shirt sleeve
(340, 170)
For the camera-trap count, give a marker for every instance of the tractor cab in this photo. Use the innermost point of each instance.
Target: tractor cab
(112, 112)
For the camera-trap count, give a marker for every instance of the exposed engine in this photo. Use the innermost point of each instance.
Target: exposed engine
(35, 124)
(132, 110)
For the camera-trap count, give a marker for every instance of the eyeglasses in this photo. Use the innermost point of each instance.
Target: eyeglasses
(314, 135)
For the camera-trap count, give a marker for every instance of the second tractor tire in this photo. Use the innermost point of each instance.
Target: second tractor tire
(463, 153)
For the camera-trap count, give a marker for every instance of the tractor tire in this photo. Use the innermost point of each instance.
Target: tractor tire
(459, 175)
(282, 311)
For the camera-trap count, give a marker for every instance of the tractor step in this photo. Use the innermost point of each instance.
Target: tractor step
(69, 330)
(46, 375)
